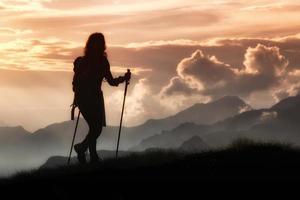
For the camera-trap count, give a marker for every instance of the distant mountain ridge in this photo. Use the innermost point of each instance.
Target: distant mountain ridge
(225, 107)
(12, 134)
(172, 138)
(280, 122)
(55, 139)
(58, 135)
(204, 113)
(286, 103)
(194, 144)
(219, 118)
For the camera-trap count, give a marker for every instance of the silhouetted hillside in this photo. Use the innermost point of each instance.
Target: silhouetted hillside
(57, 161)
(160, 173)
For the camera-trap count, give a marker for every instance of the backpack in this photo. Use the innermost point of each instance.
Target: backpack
(78, 82)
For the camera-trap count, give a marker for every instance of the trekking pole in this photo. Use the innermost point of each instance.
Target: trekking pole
(69, 159)
(120, 127)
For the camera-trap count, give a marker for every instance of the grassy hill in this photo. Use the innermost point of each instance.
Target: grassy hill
(155, 173)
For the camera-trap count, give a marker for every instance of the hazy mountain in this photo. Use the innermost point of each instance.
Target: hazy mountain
(172, 138)
(55, 139)
(10, 135)
(250, 118)
(241, 121)
(13, 155)
(194, 144)
(58, 136)
(2, 124)
(278, 123)
(198, 113)
(286, 104)
(208, 113)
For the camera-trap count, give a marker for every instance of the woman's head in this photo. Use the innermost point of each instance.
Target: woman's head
(95, 45)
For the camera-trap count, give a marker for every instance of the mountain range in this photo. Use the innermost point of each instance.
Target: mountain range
(215, 124)
(278, 123)
(59, 135)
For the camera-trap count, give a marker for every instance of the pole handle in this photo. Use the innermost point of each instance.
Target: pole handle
(127, 81)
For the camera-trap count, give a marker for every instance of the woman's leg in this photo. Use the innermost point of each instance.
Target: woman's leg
(86, 113)
(92, 141)
(93, 118)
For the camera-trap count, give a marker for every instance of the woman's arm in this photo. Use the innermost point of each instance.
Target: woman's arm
(108, 76)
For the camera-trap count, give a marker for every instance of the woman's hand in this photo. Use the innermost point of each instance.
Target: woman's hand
(127, 76)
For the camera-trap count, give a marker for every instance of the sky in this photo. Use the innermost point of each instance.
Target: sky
(181, 52)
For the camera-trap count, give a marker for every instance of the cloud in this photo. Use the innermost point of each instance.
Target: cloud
(203, 71)
(276, 7)
(155, 63)
(178, 86)
(67, 4)
(156, 60)
(149, 24)
(289, 87)
(263, 69)
(48, 54)
(153, 20)
(140, 103)
(264, 60)
(10, 32)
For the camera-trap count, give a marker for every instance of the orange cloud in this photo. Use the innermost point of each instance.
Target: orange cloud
(199, 74)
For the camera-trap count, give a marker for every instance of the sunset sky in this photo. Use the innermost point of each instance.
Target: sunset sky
(180, 51)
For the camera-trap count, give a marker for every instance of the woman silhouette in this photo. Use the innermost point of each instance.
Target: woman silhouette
(90, 70)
